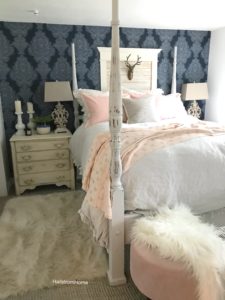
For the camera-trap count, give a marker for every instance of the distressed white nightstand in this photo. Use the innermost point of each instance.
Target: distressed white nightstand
(41, 160)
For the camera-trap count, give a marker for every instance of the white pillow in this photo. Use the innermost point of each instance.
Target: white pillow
(170, 106)
(141, 110)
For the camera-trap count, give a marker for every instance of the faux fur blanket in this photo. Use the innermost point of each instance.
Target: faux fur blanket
(178, 235)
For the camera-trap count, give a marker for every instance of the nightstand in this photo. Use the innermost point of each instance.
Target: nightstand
(41, 160)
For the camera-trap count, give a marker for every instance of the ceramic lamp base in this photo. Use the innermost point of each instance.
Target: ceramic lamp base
(62, 130)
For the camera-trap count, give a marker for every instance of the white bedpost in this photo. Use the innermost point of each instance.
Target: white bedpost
(74, 86)
(174, 81)
(116, 225)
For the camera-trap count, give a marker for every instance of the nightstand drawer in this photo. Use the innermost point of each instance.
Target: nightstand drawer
(41, 145)
(43, 166)
(42, 155)
(45, 178)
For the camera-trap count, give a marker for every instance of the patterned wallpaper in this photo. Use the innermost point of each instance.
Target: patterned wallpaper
(31, 54)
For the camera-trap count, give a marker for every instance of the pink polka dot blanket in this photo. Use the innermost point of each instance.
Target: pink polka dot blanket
(135, 144)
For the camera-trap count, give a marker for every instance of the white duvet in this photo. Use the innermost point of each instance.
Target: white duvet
(191, 172)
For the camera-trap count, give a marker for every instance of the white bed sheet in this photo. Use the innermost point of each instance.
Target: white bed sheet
(167, 175)
(83, 137)
(191, 172)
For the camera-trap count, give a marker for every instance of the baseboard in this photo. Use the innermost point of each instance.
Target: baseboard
(10, 186)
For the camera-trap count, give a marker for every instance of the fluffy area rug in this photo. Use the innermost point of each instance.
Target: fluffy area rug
(42, 239)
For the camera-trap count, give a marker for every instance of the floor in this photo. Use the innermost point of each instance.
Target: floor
(95, 290)
(36, 191)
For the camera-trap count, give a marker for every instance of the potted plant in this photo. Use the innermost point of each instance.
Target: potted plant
(43, 124)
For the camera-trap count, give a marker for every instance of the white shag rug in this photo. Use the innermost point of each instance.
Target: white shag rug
(42, 239)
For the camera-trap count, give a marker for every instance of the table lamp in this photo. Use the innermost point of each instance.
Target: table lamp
(59, 91)
(193, 92)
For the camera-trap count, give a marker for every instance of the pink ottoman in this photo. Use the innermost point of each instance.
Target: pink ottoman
(158, 278)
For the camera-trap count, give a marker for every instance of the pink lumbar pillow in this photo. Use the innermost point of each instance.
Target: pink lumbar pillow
(97, 108)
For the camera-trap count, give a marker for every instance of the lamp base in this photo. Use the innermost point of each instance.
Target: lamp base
(60, 117)
(194, 109)
(61, 130)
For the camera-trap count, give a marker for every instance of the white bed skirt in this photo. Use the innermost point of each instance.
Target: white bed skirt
(99, 225)
(215, 217)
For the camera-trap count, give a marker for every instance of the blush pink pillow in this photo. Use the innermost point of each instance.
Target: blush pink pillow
(97, 108)
(140, 94)
(137, 95)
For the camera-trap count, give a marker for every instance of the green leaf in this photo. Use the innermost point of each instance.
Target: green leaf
(42, 119)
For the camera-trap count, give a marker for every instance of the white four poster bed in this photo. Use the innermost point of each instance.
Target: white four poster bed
(138, 182)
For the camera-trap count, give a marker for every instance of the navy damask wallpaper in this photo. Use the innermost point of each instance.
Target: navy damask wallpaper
(31, 54)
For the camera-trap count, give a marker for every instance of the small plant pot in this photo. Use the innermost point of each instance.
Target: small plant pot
(43, 129)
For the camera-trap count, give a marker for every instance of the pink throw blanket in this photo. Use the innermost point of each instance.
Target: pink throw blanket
(135, 144)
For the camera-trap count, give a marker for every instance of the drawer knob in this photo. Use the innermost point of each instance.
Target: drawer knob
(25, 147)
(27, 169)
(26, 157)
(60, 165)
(58, 145)
(60, 155)
(29, 181)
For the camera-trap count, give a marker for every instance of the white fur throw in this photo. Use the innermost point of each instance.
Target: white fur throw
(178, 235)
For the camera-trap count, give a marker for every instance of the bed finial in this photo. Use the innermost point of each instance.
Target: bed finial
(74, 86)
(174, 82)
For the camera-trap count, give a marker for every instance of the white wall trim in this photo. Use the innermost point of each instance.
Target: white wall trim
(215, 105)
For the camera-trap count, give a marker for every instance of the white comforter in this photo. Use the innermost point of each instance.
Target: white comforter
(191, 172)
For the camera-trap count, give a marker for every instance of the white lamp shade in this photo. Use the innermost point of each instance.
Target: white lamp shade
(194, 91)
(58, 91)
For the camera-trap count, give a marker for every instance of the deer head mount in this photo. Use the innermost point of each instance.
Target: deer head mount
(130, 68)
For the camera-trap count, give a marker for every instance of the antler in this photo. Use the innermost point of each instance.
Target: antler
(126, 62)
(131, 67)
(138, 62)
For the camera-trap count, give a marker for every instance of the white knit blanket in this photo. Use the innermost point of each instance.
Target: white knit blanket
(182, 237)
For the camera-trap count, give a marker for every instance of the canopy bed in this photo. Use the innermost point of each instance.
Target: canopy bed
(162, 173)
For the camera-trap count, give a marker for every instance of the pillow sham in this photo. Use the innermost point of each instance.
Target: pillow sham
(80, 95)
(170, 106)
(135, 94)
(141, 110)
(96, 108)
(76, 95)
(80, 92)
